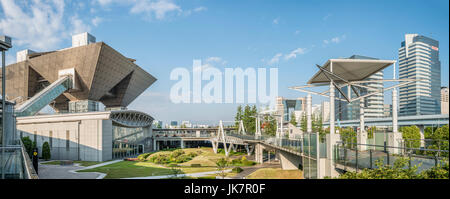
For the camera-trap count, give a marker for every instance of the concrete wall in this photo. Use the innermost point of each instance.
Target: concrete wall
(289, 161)
(89, 140)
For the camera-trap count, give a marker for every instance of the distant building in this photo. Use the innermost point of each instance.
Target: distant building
(157, 124)
(186, 124)
(286, 107)
(173, 124)
(419, 59)
(444, 100)
(387, 110)
(316, 111)
(325, 111)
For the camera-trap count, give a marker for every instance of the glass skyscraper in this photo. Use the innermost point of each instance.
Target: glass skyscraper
(419, 59)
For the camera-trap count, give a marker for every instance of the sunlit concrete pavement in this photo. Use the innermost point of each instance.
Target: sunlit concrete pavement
(64, 172)
(69, 172)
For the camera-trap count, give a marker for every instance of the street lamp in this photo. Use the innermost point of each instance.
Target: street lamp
(5, 44)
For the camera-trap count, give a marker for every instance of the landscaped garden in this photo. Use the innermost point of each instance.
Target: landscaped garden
(179, 161)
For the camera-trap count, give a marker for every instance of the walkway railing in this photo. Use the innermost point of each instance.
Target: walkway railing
(16, 163)
(348, 157)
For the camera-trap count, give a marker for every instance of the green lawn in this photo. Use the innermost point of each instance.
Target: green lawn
(82, 163)
(129, 169)
(278, 173)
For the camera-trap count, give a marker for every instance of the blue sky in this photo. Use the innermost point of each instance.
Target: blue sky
(162, 35)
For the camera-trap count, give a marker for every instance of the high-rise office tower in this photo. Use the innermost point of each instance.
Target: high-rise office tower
(419, 59)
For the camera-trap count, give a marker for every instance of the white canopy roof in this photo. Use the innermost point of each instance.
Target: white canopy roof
(350, 69)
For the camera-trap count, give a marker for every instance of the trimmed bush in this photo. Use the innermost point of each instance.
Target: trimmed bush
(235, 161)
(28, 144)
(192, 154)
(177, 153)
(237, 170)
(143, 156)
(248, 163)
(46, 154)
(183, 158)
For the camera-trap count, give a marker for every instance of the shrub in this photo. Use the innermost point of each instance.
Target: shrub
(243, 159)
(183, 158)
(46, 155)
(237, 170)
(248, 163)
(143, 156)
(28, 144)
(160, 159)
(235, 162)
(192, 154)
(177, 153)
(196, 165)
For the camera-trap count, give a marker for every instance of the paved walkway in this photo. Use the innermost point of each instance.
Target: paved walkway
(181, 175)
(69, 171)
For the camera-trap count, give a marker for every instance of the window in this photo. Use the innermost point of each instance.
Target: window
(67, 140)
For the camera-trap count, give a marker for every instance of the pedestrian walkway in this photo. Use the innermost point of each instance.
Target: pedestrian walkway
(202, 174)
(70, 171)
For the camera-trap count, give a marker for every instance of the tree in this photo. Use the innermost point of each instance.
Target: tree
(238, 116)
(303, 123)
(348, 136)
(222, 164)
(248, 118)
(293, 119)
(271, 125)
(440, 140)
(411, 135)
(28, 144)
(46, 154)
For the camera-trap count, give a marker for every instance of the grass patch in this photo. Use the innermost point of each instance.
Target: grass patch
(275, 173)
(129, 169)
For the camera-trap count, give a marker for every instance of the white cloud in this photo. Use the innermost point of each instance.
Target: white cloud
(199, 9)
(276, 20)
(216, 60)
(38, 25)
(335, 40)
(291, 55)
(294, 53)
(158, 8)
(96, 21)
(275, 59)
(327, 16)
(210, 62)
